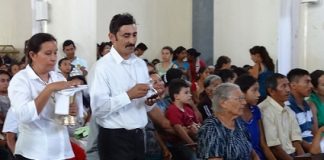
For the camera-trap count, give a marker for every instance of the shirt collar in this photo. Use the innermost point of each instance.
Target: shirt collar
(32, 75)
(119, 59)
(292, 103)
(275, 104)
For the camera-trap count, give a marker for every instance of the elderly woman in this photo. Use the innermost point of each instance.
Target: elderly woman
(205, 103)
(223, 136)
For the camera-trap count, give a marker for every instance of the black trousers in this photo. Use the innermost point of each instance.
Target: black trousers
(121, 144)
(20, 157)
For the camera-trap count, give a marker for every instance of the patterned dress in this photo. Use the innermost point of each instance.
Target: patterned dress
(215, 140)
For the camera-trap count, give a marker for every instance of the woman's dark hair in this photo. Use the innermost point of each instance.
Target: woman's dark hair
(35, 42)
(225, 74)
(155, 61)
(240, 71)
(315, 76)
(119, 20)
(201, 71)
(168, 48)
(102, 46)
(222, 60)
(266, 59)
(245, 82)
(177, 51)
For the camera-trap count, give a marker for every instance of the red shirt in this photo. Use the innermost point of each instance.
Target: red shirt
(184, 118)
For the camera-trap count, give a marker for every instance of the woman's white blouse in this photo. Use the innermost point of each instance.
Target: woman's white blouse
(40, 136)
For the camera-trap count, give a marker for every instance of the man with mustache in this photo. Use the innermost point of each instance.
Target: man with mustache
(301, 87)
(119, 94)
(281, 129)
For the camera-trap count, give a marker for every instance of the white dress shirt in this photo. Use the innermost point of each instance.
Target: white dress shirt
(41, 136)
(10, 124)
(112, 78)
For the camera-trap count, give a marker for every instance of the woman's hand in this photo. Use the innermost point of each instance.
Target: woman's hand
(56, 86)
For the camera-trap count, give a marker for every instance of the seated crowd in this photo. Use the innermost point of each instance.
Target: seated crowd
(202, 112)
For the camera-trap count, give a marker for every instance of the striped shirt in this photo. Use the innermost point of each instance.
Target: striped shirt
(304, 118)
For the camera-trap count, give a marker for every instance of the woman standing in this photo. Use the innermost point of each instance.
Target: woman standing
(166, 63)
(31, 92)
(263, 67)
(223, 136)
(180, 54)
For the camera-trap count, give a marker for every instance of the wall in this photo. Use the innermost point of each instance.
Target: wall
(240, 24)
(315, 36)
(75, 20)
(160, 23)
(15, 23)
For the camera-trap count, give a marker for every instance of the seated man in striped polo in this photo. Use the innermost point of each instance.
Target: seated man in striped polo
(301, 87)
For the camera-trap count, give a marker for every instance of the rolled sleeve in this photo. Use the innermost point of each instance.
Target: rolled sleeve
(22, 103)
(102, 102)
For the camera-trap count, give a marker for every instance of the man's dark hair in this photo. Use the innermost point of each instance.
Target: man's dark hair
(141, 46)
(296, 73)
(119, 20)
(245, 82)
(315, 76)
(272, 81)
(175, 87)
(67, 43)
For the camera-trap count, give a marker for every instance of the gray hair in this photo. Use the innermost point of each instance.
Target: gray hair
(209, 79)
(222, 92)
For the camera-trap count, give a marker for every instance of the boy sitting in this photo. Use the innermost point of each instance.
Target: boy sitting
(182, 118)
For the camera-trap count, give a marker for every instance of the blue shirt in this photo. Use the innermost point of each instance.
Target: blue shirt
(215, 140)
(253, 128)
(304, 118)
(262, 81)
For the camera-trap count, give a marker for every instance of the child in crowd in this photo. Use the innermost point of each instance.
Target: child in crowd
(252, 116)
(181, 116)
(65, 67)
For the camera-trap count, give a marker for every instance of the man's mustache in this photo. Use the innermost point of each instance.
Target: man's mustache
(130, 45)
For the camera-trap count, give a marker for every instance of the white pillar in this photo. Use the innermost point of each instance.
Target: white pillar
(288, 36)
